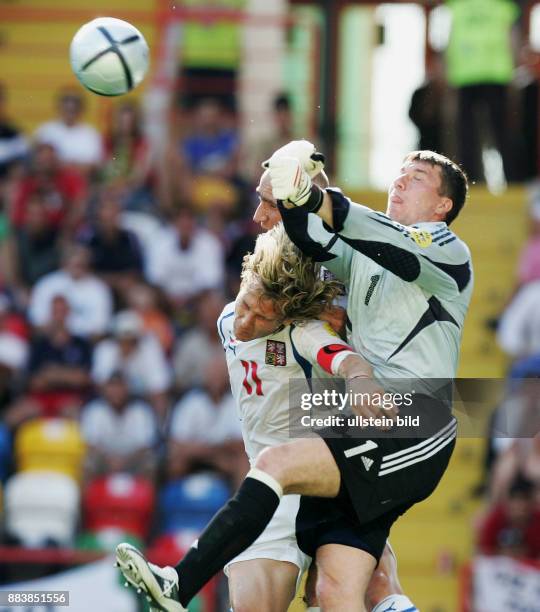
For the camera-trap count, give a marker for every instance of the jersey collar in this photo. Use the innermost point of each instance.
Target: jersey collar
(430, 225)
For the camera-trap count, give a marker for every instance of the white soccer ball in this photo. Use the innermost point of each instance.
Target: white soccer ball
(109, 56)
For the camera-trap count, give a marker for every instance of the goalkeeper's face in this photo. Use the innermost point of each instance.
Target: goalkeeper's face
(254, 315)
(267, 214)
(415, 196)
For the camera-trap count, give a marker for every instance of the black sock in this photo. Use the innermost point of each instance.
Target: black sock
(235, 527)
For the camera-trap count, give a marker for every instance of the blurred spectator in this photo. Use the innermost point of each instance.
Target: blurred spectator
(514, 421)
(513, 526)
(59, 364)
(212, 51)
(526, 134)
(61, 189)
(428, 104)
(480, 66)
(13, 350)
(529, 260)
(143, 300)
(13, 144)
(212, 146)
(205, 432)
(519, 327)
(116, 253)
(77, 143)
(138, 356)
(521, 455)
(242, 236)
(185, 260)
(127, 154)
(89, 298)
(120, 431)
(197, 346)
(7, 256)
(204, 164)
(283, 124)
(36, 245)
(281, 133)
(146, 227)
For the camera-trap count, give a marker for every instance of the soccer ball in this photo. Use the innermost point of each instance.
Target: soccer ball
(109, 56)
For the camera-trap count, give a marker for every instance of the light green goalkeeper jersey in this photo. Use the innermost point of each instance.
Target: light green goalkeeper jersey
(408, 288)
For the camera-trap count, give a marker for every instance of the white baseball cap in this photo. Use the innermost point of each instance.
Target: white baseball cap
(127, 323)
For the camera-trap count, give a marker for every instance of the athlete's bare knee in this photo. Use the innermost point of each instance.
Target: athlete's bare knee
(379, 587)
(384, 581)
(273, 461)
(336, 595)
(255, 596)
(243, 606)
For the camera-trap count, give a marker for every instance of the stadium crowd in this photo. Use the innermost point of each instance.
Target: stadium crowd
(510, 523)
(114, 271)
(116, 417)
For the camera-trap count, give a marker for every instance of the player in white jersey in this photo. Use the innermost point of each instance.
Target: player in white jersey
(264, 576)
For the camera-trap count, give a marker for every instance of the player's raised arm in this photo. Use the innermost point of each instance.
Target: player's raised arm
(307, 231)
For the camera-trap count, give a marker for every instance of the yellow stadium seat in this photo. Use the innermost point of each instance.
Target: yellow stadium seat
(50, 444)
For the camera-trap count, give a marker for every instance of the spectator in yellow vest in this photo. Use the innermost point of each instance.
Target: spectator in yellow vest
(480, 66)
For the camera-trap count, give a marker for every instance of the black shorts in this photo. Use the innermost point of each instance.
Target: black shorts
(381, 478)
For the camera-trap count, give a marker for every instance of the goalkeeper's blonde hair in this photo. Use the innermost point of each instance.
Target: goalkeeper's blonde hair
(286, 276)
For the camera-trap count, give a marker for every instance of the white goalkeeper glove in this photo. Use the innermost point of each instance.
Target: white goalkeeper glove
(312, 161)
(291, 183)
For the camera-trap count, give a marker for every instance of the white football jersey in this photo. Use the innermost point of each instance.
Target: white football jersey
(260, 370)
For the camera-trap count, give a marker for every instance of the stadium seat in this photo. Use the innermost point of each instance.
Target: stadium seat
(50, 444)
(5, 452)
(41, 508)
(119, 501)
(191, 502)
(168, 548)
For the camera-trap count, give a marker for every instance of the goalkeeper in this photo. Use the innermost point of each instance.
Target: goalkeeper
(407, 257)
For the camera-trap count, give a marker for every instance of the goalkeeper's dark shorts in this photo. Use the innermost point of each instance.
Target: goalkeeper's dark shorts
(380, 480)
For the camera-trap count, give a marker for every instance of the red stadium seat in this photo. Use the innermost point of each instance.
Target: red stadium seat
(119, 501)
(169, 549)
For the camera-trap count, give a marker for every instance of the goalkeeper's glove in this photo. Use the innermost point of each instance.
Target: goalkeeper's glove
(312, 161)
(291, 183)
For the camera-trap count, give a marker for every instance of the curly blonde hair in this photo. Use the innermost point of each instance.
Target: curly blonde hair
(287, 277)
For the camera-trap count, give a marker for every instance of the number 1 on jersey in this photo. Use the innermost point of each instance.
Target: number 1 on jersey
(250, 368)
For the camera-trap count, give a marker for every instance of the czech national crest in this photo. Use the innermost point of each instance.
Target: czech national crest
(276, 354)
